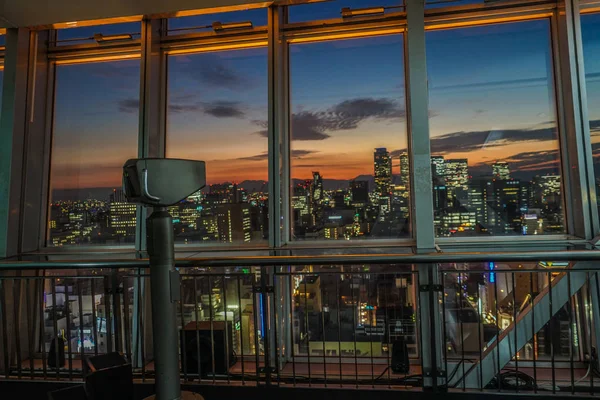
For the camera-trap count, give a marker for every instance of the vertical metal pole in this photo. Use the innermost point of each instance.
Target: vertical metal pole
(421, 193)
(418, 126)
(573, 114)
(164, 299)
(12, 137)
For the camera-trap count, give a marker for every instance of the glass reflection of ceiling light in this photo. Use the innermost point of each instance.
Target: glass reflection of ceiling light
(362, 12)
(100, 38)
(219, 27)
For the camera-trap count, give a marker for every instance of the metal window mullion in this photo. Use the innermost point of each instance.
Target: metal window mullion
(577, 42)
(152, 109)
(418, 127)
(275, 124)
(576, 151)
(13, 119)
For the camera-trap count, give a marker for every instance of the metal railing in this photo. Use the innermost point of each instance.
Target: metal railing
(451, 321)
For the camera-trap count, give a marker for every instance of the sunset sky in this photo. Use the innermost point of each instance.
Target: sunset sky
(491, 98)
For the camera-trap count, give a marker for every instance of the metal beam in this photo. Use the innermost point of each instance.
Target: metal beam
(12, 137)
(576, 148)
(502, 349)
(34, 199)
(418, 126)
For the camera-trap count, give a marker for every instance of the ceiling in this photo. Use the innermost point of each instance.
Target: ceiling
(29, 13)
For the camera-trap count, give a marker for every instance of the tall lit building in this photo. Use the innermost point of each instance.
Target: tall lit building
(122, 218)
(505, 200)
(438, 170)
(500, 170)
(360, 193)
(456, 172)
(383, 171)
(404, 169)
(317, 197)
(234, 222)
(383, 181)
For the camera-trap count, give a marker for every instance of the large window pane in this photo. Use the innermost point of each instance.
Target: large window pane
(95, 132)
(494, 137)
(349, 166)
(590, 30)
(217, 113)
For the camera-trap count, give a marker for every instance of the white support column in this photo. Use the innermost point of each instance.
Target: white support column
(429, 315)
(151, 143)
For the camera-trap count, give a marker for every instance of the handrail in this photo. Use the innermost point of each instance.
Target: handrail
(250, 261)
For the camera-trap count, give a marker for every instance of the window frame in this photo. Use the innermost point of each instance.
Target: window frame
(277, 37)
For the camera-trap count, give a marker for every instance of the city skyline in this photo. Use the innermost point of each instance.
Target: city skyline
(361, 117)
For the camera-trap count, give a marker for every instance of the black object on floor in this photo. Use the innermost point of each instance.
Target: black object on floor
(56, 355)
(400, 363)
(108, 377)
(71, 393)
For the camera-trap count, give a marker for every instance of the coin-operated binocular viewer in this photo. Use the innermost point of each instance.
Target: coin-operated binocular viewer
(158, 183)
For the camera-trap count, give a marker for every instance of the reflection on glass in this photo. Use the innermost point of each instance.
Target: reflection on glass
(494, 136)
(217, 112)
(481, 300)
(349, 163)
(333, 9)
(95, 132)
(203, 23)
(353, 311)
(85, 34)
(590, 31)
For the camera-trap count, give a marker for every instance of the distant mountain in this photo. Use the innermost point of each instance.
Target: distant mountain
(254, 186)
(82, 194)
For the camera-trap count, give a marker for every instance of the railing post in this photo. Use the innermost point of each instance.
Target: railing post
(265, 290)
(430, 318)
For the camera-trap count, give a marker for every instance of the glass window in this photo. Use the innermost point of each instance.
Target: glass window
(590, 30)
(85, 34)
(95, 132)
(203, 22)
(494, 137)
(349, 166)
(217, 112)
(333, 9)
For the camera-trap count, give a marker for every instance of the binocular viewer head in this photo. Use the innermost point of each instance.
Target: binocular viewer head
(161, 182)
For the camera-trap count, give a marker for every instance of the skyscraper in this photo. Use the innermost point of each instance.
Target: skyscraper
(383, 171)
(500, 170)
(316, 198)
(456, 173)
(404, 169)
(438, 170)
(234, 222)
(360, 193)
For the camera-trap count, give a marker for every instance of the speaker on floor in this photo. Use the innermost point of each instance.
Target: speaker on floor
(108, 377)
(400, 363)
(56, 355)
(197, 341)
